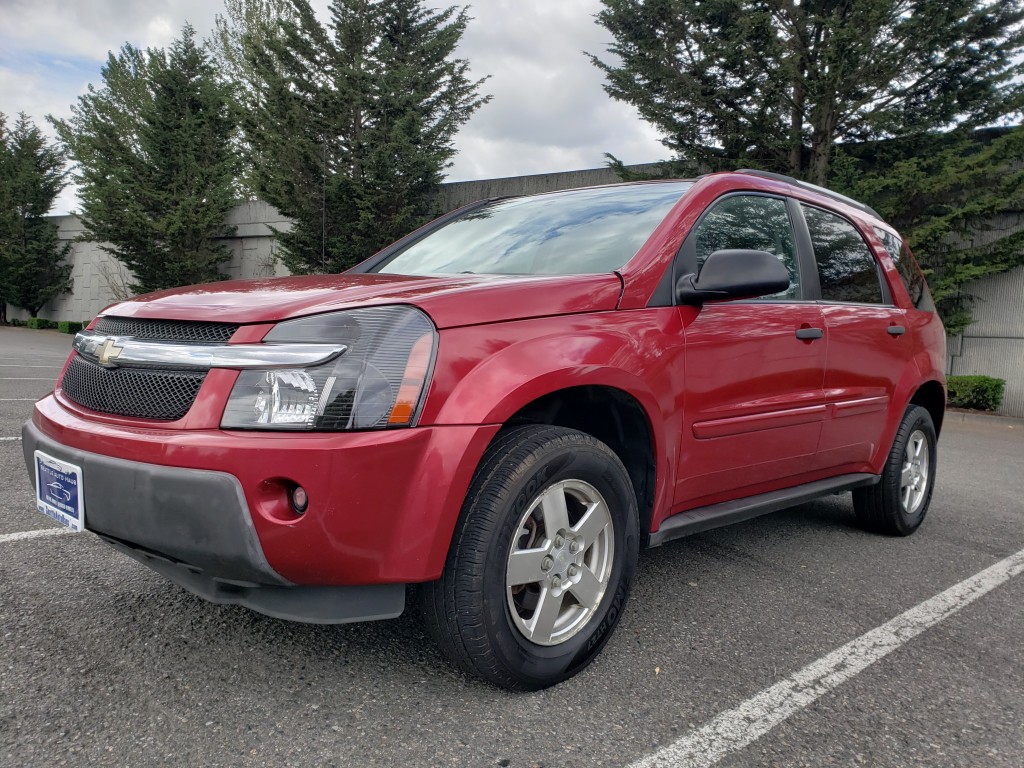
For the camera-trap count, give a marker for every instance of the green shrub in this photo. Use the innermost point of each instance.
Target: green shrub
(982, 392)
(15, 322)
(69, 326)
(39, 323)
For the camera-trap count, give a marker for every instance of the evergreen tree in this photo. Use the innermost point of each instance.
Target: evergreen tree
(356, 122)
(955, 196)
(31, 256)
(157, 163)
(776, 83)
(244, 26)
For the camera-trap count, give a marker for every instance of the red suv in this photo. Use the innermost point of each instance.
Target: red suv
(503, 408)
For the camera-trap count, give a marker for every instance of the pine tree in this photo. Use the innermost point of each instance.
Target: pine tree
(953, 196)
(881, 99)
(157, 163)
(356, 124)
(776, 83)
(31, 256)
(244, 26)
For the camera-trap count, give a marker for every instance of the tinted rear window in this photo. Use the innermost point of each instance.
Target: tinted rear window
(910, 273)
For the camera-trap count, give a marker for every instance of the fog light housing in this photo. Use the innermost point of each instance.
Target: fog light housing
(300, 499)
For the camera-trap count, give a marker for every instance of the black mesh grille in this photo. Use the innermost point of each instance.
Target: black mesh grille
(139, 392)
(166, 330)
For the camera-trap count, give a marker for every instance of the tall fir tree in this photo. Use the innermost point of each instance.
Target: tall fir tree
(32, 174)
(156, 163)
(356, 125)
(246, 25)
(955, 196)
(776, 83)
(881, 99)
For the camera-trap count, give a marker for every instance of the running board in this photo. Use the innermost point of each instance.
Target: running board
(727, 512)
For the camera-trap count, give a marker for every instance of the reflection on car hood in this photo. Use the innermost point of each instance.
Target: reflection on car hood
(451, 300)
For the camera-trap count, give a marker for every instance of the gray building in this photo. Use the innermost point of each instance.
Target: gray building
(994, 344)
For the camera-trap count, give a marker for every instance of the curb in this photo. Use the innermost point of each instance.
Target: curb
(977, 417)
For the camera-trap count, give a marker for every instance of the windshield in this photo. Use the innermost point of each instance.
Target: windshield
(576, 232)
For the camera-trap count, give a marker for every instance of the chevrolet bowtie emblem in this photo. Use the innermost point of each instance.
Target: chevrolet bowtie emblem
(107, 351)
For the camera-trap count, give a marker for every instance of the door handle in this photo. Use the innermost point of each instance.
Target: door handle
(896, 330)
(809, 334)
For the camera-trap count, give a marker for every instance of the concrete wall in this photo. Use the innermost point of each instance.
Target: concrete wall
(994, 344)
(459, 193)
(100, 280)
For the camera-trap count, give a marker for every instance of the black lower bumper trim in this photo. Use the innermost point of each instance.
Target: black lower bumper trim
(313, 605)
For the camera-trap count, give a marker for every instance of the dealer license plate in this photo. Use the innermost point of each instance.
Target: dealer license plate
(59, 491)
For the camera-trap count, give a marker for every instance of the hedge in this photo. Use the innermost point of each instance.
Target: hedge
(982, 392)
(64, 326)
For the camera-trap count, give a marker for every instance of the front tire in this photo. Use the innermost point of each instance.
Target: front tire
(541, 562)
(898, 503)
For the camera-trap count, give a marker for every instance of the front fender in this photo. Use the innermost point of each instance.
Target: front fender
(485, 374)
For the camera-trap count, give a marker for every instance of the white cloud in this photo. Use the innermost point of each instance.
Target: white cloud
(549, 111)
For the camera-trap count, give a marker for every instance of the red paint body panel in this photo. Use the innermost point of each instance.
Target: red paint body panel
(450, 301)
(753, 387)
(382, 504)
(736, 404)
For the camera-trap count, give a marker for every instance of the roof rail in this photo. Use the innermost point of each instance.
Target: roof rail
(814, 187)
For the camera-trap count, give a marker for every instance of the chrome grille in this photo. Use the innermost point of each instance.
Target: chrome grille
(166, 330)
(138, 392)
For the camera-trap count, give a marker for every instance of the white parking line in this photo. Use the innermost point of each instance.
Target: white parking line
(26, 378)
(18, 399)
(6, 537)
(735, 729)
(6, 439)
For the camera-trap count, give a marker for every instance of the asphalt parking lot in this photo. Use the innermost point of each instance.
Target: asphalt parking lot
(103, 662)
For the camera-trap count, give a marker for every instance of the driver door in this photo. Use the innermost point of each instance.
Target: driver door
(754, 369)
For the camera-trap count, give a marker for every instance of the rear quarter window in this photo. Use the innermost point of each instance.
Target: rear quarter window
(910, 272)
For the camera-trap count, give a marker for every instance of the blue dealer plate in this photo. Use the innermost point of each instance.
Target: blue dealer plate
(59, 491)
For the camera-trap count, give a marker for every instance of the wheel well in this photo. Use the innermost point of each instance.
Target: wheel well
(615, 418)
(932, 397)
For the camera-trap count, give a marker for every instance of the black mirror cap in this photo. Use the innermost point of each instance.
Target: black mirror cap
(736, 273)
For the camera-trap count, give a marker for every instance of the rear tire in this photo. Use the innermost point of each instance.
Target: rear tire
(541, 561)
(898, 503)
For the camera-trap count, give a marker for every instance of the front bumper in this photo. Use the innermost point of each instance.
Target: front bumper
(162, 517)
(382, 508)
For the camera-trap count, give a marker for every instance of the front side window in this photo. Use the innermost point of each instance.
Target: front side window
(752, 222)
(846, 266)
(577, 232)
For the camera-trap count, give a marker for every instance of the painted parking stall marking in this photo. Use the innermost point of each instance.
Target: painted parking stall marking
(24, 535)
(739, 727)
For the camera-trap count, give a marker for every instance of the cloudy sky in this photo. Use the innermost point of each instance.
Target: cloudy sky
(549, 111)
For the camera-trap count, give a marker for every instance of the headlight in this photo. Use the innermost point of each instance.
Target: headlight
(378, 382)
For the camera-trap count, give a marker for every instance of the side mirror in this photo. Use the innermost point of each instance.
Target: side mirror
(734, 274)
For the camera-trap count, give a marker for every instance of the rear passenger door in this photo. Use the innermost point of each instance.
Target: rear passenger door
(754, 404)
(867, 348)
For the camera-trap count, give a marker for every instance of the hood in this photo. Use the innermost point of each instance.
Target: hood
(450, 300)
